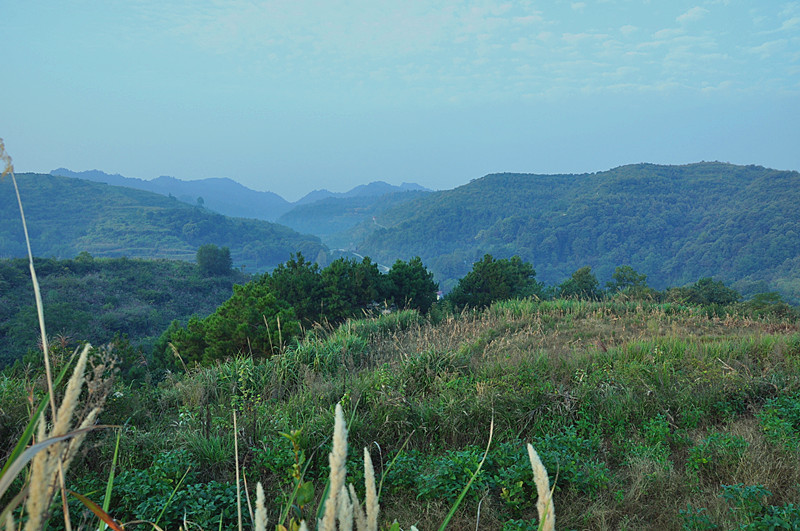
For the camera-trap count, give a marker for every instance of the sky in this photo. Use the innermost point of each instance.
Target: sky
(294, 95)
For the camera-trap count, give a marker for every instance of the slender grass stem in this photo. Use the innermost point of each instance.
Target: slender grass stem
(110, 483)
(236, 458)
(9, 169)
(169, 501)
(469, 483)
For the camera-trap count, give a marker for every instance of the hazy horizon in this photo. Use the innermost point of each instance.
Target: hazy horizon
(291, 97)
(349, 188)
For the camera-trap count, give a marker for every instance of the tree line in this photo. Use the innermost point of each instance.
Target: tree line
(170, 315)
(271, 311)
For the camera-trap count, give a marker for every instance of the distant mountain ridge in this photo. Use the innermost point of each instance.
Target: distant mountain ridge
(676, 224)
(373, 189)
(334, 219)
(222, 195)
(229, 197)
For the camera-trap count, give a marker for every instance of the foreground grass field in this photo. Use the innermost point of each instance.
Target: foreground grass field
(645, 415)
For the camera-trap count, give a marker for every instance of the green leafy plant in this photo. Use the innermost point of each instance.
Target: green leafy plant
(780, 420)
(714, 456)
(748, 501)
(696, 519)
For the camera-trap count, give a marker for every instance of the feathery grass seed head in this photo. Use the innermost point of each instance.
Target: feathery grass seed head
(71, 396)
(345, 512)
(338, 462)
(76, 441)
(544, 503)
(36, 504)
(358, 512)
(372, 505)
(8, 166)
(261, 510)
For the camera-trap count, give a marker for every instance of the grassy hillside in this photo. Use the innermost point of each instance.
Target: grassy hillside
(94, 299)
(673, 223)
(67, 216)
(646, 416)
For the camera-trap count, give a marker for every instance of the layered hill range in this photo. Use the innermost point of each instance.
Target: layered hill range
(228, 197)
(676, 224)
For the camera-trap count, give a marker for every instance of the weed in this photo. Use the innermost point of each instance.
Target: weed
(715, 457)
(780, 420)
(746, 500)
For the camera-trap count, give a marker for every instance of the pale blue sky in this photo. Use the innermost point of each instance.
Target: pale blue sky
(294, 95)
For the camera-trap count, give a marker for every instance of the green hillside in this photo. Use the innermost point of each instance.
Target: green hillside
(646, 416)
(675, 224)
(67, 216)
(97, 298)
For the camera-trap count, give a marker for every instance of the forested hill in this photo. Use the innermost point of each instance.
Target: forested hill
(96, 299)
(67, 216)
(676, 224)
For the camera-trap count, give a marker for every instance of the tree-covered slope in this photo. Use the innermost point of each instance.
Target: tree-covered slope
(67, 216)
(673, 223)
(94, 299)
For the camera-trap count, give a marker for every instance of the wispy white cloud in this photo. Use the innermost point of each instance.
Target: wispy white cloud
(532, 18)
(578, 38)
(621, 72)
(692, 15)
(790, 8)
(721, 86)
(445, 42)
(769, 48)
(790, 23)
(666, 34)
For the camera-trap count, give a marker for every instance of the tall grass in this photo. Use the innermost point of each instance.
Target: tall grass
(341, 509)
(58, 438)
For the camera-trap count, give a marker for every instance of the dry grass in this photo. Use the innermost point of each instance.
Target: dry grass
(511, 333)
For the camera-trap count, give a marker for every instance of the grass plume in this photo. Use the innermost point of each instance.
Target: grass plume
(544, 503)
(372, 505)
(338, 462)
